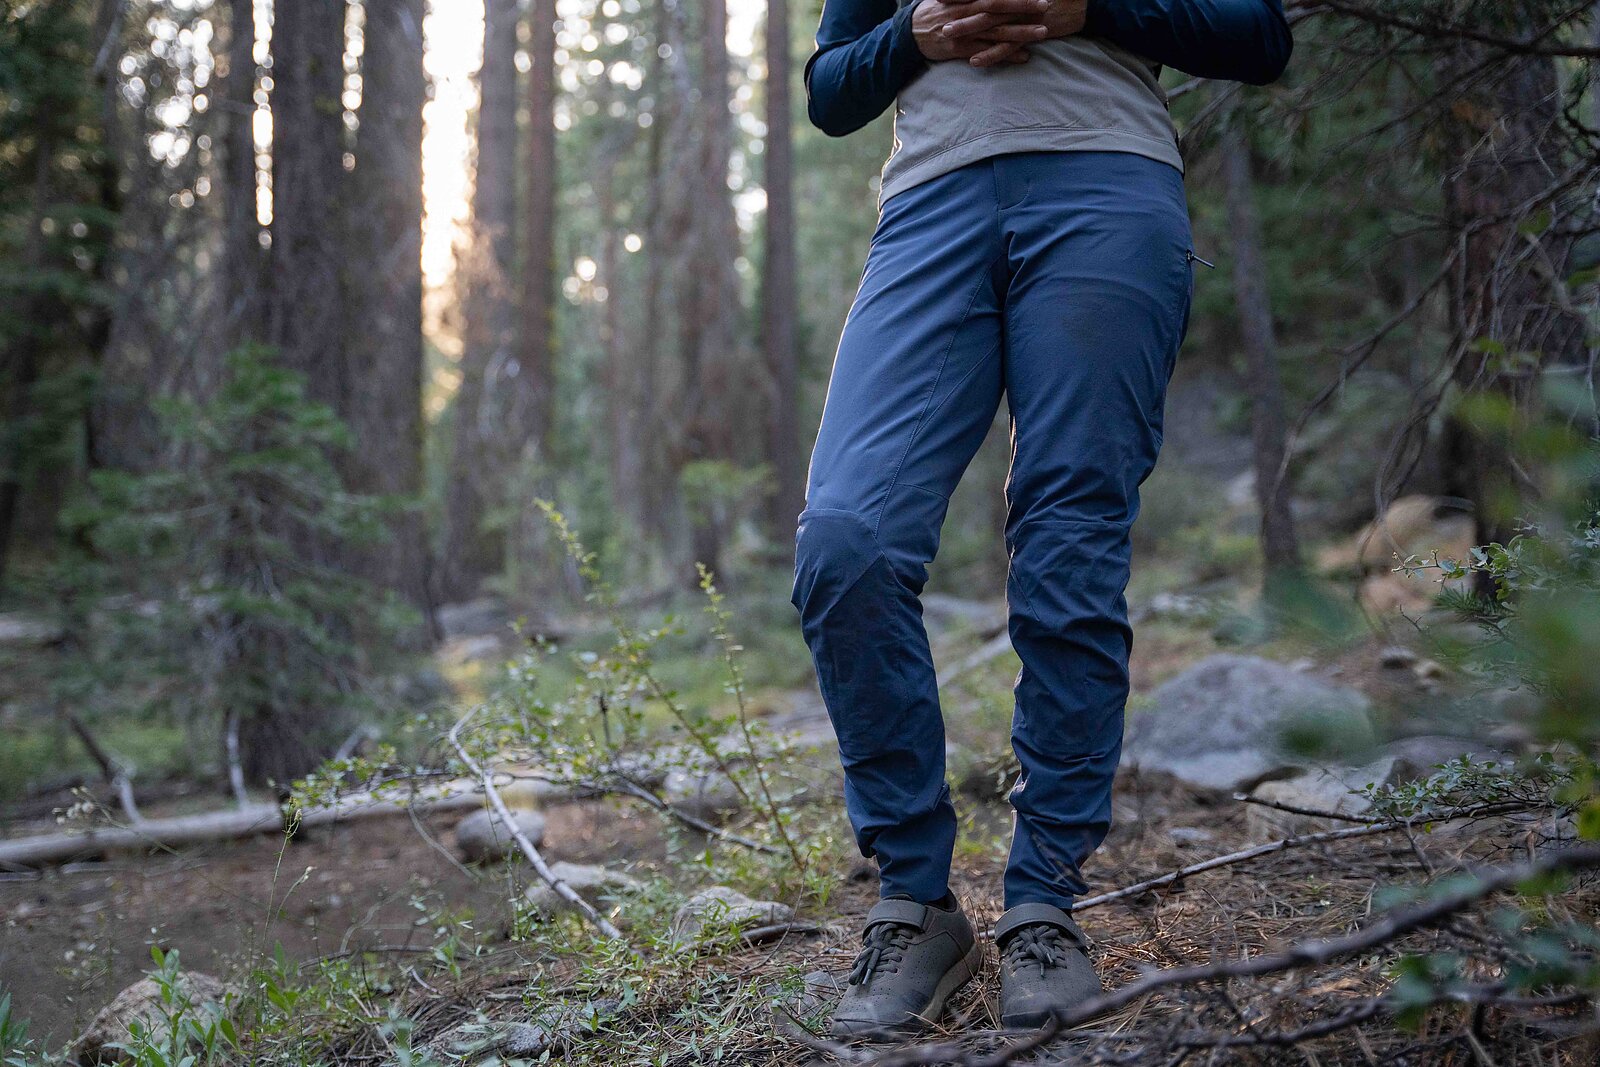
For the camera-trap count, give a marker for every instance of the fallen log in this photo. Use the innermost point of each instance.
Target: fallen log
(246, 821)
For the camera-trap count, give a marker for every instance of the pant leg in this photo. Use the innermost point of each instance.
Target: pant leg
(915, 386)
(1098, 301)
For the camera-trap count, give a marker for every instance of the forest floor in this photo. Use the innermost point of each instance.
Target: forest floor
(386, 925)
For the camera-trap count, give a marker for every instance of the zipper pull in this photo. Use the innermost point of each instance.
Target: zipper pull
(1196, 259)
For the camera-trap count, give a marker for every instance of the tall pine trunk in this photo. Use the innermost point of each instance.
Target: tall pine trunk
(1279, 546)
(471, 551)
(1503, 148)
(779, 286)
(534, 382)
(383, 347)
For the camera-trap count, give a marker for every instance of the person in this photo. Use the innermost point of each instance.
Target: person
(1033, 242)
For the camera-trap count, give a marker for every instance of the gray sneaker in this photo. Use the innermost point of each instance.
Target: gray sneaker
(1044, 969)
(912, 958)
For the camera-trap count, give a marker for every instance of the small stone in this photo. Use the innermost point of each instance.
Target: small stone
(1397, 657)
(1428, 670)
(28, 631)
(710, 797)
(593, 883)
(554, 1029)
(482, 836)
(720, 908)
(1190, 835)
(143, 1004)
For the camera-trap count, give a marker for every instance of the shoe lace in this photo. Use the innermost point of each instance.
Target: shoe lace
(1041, 947)
(881, 951)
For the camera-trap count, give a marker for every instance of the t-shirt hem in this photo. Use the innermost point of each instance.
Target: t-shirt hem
(1029, 139)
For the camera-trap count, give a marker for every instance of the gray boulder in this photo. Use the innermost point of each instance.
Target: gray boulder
(482, 837)
(144, 1005)
(1231, 722)
(719, 909)
(592, 883)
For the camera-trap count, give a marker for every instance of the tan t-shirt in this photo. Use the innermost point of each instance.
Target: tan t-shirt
(1074, 94)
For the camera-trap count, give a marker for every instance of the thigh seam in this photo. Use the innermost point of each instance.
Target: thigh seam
(933, 390)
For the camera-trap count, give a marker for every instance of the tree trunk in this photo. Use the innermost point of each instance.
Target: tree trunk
(1502, 143)
(302, 307)
(534, 379)
(384, 342)
(472, 552)
(304, 304)
(715, 375)
(779, 286)
(242, 255)
(19, 364)
(1279, 546)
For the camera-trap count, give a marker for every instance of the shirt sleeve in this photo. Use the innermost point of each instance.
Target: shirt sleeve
(865, 55)
(1234, 40)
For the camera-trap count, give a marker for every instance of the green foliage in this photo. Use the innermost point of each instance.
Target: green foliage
(234, 555)
(185, 1034)
(15, 1044)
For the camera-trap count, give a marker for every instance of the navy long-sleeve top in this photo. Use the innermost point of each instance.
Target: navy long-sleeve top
(866, 54)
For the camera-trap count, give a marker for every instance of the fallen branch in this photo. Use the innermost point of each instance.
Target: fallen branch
(1313, 953)
(1367, 829)
(509, 822)
(247, 821)
(1296, 809)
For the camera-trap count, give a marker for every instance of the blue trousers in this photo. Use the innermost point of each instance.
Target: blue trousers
(1062, 281)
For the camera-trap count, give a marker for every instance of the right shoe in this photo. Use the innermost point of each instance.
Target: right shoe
(913, 957)
(1045, 971)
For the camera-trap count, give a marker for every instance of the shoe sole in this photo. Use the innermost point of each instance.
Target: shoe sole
(964, 971)
(1031, 1020)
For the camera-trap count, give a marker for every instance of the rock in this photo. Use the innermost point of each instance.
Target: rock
(1332, 789)
(473, 618)
(592, 883)
(474, 648)
(1228, 723)
(1426, 753)
(144, 1004)
(719, 909)
(1397, 657)
(482, 836)
(710, 796)
(1338, 789)
(1190, 835)
(28, 631)
(552, 1030)
(1428, 670)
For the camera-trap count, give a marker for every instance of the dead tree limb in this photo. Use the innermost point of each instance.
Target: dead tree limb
(557, 884)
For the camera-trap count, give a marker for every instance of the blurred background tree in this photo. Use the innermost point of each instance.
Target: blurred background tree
(589, 250)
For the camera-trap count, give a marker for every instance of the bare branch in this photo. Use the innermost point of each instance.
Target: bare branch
(497, 802)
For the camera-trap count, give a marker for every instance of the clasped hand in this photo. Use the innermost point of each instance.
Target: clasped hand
(988, 33)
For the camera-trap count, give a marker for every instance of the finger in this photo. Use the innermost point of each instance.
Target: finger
(1013, 33)
(1010, 7)
(992, 55)
(976, 24)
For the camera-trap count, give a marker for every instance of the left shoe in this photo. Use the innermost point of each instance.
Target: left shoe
(1044, 966)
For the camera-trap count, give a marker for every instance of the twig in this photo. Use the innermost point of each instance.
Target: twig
(1312, 953)
(558, 885)
(633, 789)
(1295, 809)
(1366, 830)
